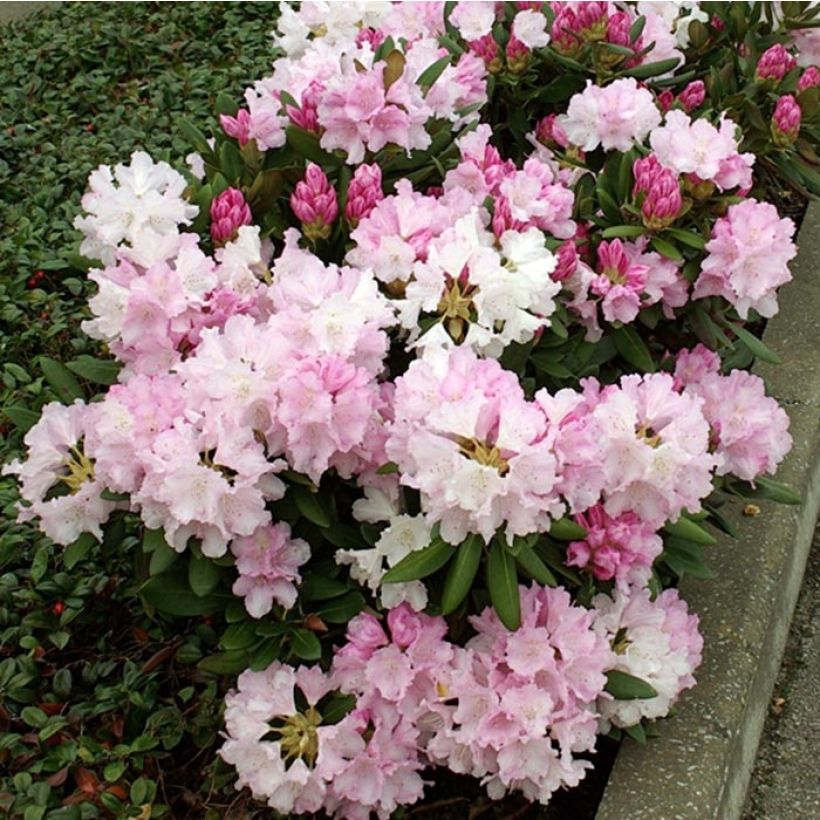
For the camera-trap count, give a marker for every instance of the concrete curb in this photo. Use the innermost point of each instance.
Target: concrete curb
(10, 11)
(700, 766)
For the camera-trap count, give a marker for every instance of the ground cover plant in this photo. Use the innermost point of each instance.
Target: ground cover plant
(427, 382)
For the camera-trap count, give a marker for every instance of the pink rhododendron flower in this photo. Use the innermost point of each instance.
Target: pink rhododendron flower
(237, 126)
(692, 96)
(615, 116)
(56, 458)
(749, 429)
(697, 147)
(657, 641)
(620, 282)
(618, 547)
(268, 563)
(748, 258)
(473, 19)
(466, 438)
(656, 459)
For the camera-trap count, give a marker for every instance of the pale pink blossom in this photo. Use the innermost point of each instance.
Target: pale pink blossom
(748, 258)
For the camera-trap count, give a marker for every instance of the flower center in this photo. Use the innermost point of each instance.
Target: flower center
(297, 736)
(456, 307)
(648, 436)
(483, 454)
(620, 642)
(80, 469)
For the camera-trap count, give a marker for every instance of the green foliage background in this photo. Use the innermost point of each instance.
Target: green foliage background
(101, 713)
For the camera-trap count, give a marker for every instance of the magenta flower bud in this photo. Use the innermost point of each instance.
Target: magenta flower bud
(364, 191)
(592, 18)
(518, 55)
(645, 170)
(237, 127)
(567, 261)
(809, 78)
(548, 132)
(786, 120)
(665, 100)
(370, 35)
(774, 63)
(663, 202)
(306, 116)
(314, 203)
(564, 36)
(617, 29)
(692, 96)
(229, 212)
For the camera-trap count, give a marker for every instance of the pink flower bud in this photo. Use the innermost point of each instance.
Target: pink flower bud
(314, 203)
(665, 100)
(774, 63)
(365, 633)
(364, 191)
(716, 23)
(237, 127)
(809, 79)
(487, 49)
(567, 261)
(306, 116)
(564, 36)
(229, 212)
(548, 132)
(663, 202)
(518, 55)
(786, 120)
(617, 29)
(592, 19)
(692, 96)
(370, 35)
(405, 625)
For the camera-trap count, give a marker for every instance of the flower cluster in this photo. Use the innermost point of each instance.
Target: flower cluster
(446, 313)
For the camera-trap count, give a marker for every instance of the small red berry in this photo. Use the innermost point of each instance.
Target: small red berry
(58, 608)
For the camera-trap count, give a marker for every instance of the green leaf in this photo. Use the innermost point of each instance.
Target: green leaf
(195, 137)
(565, 529)
(633, 348)
(316, 587)
(336, 708)
(754, 344)
(461, 574)
(203, 575)
(686, 558)
(305, 645)
(535, 567)
(239, 636)
(430, 74)
(307, 144)
(620, 231)
(637, 733)
(169, 593)
(689, 531)
(421, 563)
(693, 240)
(225, 663)
(643, 72)
(97, 371)
(34, 717)
(547, 364)
(767, 488)
(623, 686)
(40, 564)
(666, 249)
(22, 417)
(162, 558)
(636, 29)
(308, 505)
(61, 380)
(226, 104)
(388, 468)
(74, 553)
(502, 582)
(341, 610)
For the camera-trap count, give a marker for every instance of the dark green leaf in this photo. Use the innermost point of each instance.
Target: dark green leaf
(308, 504)
(689, 531)
(666, 249)
(421, 563)
(622, 231)
(97, 371)
(633, 348)
(74, 553)
(430, 74)
(565, 529)
(461, 574)
(336, 708)
(225, 663)
(754, 344)
(341, 610)
(203, 575)
(170, 593)
(316, 587)
(646, 70)
(22, 417)
(535, 567)
(305, 645)
(502, 582)
(767, 488)
(623, 686)
(61, 379)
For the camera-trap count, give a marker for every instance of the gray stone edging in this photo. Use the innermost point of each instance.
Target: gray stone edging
(699, 768)
(10, 11)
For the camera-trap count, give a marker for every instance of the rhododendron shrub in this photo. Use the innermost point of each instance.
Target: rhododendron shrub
(434, 376)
